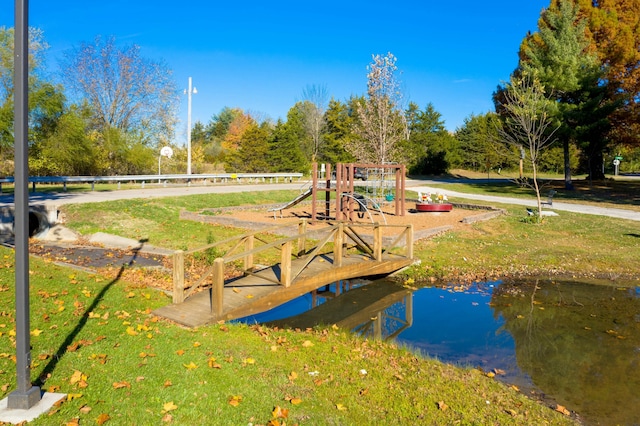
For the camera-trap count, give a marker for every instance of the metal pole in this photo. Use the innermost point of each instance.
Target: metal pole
(189, 128)
(26, 395)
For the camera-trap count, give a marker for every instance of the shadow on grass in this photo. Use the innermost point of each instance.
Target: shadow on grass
(68, 341)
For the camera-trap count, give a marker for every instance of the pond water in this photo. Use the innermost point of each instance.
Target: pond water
(575, 343)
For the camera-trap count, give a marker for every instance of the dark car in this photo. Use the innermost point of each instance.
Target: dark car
(358, 173)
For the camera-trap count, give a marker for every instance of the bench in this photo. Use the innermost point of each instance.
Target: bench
(549, 201)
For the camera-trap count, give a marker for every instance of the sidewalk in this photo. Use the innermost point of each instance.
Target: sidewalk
(56, 199)
(559, 206)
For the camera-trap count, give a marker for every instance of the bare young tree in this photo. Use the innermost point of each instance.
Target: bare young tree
(381, 123)
(125, 91)
(529, 123)
(315, 103)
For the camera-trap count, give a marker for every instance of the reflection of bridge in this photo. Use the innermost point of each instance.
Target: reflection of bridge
(374, 310)
(338, 252)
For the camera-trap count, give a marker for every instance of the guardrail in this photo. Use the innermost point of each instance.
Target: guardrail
(214, 177)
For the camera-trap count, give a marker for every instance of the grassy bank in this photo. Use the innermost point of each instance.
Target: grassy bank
(94, 338)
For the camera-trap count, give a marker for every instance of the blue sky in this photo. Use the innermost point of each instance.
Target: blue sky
(259, 56)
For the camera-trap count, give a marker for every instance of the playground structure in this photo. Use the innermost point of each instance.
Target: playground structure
(381, 183)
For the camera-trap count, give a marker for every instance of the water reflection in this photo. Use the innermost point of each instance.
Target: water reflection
(380, 310)
(577, 343)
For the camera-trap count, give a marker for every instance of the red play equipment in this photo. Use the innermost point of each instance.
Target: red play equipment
(341, 181)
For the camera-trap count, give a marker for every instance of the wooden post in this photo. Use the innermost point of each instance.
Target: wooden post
(377, 242)
(327, 192)
(314, 190)
(338, 241)
(178, 276)
(285, 265)
(302, 237)
(409, 241)
(248, 259)
(217, 290)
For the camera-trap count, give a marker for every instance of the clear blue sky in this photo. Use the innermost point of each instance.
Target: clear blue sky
(260, 55)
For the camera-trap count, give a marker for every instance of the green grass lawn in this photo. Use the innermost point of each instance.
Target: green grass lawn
(94, 337)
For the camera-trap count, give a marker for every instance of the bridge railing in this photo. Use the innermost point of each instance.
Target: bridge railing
(337, 239)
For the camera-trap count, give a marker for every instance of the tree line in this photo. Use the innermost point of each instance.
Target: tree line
(114, 109)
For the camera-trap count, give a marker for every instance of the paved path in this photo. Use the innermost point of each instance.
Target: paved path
(570, 207)
(414, 185)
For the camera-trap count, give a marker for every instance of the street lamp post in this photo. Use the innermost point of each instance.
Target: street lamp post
(190, 91)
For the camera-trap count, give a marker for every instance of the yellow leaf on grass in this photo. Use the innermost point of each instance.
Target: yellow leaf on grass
(36, 332)
(296, 401)
(307, 344)
(131, 331)
(563, 410)
(235, 400)
(249, 361)
(77, 377)
(442, 406)
(293, 375)
(72, 396)
(180, 352)
(169, 406)
(341, 407)
(190, 366)
(280, 413)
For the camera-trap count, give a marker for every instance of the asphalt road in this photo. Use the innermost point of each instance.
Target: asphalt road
(154, 191)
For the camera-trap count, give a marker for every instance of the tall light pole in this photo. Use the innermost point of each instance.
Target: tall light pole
(26, 395)
(190, 91)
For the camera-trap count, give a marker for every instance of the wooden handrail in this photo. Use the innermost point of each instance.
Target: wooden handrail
(335, 233)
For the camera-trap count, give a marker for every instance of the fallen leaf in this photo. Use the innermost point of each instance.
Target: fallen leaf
(103, 418)
(167, 383)
(292, 376)
(73, 422)
(180, 352)
(167, 418)
(122, 384)
(235, 400)
(169, 406)
(307, 344)
(190, 366)
(562, 409)
(442, 406)
(341, 407)
(36, 332)
(280, 413)
(211, 362)
(77, 377)
(296, 401)
(85, 409)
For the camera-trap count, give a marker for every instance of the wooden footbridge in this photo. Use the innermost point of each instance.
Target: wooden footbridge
(301, 262)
